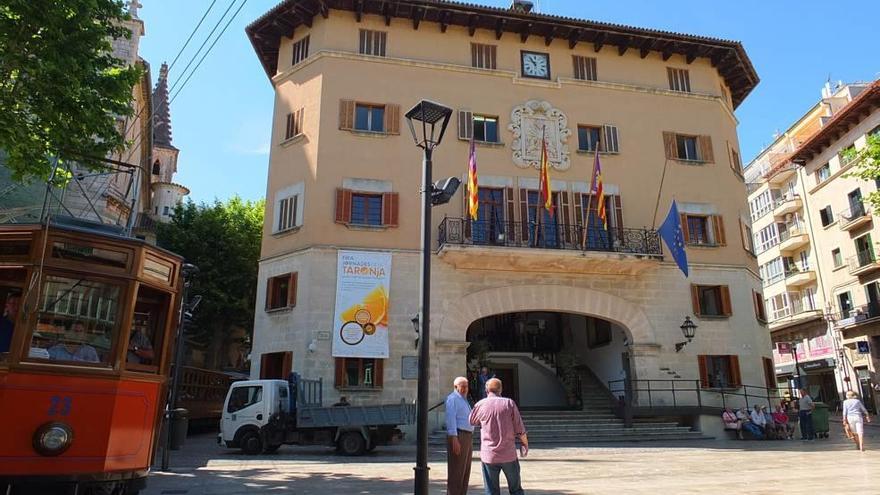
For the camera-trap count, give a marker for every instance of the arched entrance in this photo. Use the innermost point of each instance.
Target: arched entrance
(545, 358)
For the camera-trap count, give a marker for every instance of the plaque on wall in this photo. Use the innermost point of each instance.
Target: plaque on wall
(409, 368)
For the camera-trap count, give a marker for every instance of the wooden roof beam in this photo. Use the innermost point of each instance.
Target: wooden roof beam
(693, 54)
(472, 24)
(358, 10)
(499, 28)
(417, 16)
(573, 37)
(305, 13)
(525, 32)
(323, 9)
(444, 20)
(623, 46)
(598, 42)
(667, 51)
(551, 34)
(645, 47)
(386, 13)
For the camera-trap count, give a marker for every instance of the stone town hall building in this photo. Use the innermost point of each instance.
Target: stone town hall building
(521, 295)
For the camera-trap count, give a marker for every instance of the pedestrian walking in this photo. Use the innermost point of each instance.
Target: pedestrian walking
(855, 415)
(500, 426)
(459, 439)
(805, 415)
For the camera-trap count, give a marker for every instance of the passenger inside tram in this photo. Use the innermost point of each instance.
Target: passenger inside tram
(74, 346)
(140, 349)
(7, 321)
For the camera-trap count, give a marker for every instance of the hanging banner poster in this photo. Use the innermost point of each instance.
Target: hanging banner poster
(360, 321)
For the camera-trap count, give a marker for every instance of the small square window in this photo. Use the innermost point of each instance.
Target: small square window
(366, 209)
(826, 216)
(485, 129)
(679, 80)
(687, 147)
(369, 118)
(300, 50)
(281, 291)
(372, 42)
(698, 229)
(838, 258)
(823, 173)
(588, 137)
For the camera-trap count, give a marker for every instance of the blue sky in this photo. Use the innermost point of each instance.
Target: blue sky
(221, 120)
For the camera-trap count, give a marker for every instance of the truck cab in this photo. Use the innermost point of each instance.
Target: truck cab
(247, 410)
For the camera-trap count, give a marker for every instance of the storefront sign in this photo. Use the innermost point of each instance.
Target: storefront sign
(409, 367)
(363, 280)
(863, 347)
(817, 365)
(783, 347)
(821, 346)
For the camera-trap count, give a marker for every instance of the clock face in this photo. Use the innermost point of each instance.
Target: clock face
(536, 65)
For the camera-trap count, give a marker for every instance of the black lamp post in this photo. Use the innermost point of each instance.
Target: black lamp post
(427, 122)
(689, 329)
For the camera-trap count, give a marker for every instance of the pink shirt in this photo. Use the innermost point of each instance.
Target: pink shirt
(500, 425)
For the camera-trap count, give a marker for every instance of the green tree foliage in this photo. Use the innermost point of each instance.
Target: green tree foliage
(223, 240)
(868, 166)
(61, 90)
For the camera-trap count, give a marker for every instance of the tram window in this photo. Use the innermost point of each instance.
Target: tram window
(11, 281)
(148, 329)
(14, 248)
(243, 397)
(77, 321)
(89, 254)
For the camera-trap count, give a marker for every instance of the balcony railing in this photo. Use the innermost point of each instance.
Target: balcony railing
(463, 231)
(850, 217)
(862, 261)
(860, 313)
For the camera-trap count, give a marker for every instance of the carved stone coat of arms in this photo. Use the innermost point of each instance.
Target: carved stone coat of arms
(532, 121)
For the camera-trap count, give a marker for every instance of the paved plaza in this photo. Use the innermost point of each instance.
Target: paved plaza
(695, 467)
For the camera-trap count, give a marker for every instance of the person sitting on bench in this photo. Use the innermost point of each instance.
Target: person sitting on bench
(731, 422)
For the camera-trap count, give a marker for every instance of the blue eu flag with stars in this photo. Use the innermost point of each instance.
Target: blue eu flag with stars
(671, 233)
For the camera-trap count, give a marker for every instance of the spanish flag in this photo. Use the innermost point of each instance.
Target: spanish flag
(472, 187)
(546, 195)
(598, 192)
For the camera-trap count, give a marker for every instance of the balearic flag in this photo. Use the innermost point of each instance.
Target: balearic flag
(472, 187)
(546, 194)
(597, 190)
(671, 233)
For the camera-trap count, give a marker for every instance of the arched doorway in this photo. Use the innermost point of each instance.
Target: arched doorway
(546, 358)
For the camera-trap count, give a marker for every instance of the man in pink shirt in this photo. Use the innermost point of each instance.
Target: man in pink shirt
(500, 426)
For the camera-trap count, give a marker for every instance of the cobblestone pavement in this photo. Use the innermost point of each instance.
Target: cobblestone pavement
(696, 467)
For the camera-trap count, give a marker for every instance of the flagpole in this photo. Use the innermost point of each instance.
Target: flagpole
(659, 192)
(590, 201)
(541, 185)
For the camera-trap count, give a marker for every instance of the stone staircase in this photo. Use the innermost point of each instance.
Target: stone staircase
(596, 423)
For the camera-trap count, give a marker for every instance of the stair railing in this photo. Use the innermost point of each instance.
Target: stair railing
(679, 393)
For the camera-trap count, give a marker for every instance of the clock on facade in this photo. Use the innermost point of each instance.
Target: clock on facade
(535, 64)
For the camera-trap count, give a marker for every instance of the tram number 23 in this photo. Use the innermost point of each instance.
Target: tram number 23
(59, 406)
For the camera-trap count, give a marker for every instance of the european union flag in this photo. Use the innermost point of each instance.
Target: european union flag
(671, 233)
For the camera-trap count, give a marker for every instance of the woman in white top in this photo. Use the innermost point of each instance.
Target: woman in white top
(854, 413)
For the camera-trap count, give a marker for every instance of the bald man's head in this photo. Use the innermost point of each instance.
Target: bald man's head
(461, 385)
(493, 386)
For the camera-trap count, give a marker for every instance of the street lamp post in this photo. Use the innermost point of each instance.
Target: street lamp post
(688, 329)
(427, 122)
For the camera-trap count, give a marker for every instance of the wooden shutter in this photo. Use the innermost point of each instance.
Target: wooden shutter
(769, 372)
(735, 375)
(379, 372)
(618, 215)
(286, 365)
(579, 209)
(392, 119)
(566, 216)
(343, 206)
(726, 310)
(270, 293)
(758, 300)
(704, 371)
(465, 124)
(524, 215)
(695, 299)
(670, 145)
(288, 132)
(509, 233)
(742, 234)
(718, 226)
(346, 115)
(291, 289)
(685, 232)
(609, 141)
(706, 153)
(389, 209)
(339, 375)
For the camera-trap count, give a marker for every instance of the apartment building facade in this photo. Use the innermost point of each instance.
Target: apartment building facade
(812, 235)
(518, 287)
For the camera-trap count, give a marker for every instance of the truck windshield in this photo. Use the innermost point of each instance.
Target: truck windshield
(242, 397)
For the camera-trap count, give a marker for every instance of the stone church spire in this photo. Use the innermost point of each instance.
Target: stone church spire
(161, 110)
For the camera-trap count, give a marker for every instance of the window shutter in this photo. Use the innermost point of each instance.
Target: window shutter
(392, 119)
(339, 379)
(509, 233)
(695, 299)
(704, 371)
(288, 132)
(465, 124)
(706, 153)
(579, 209)
(618, 215)
(291, 290)
(286, 365)
(742, 234)
(270, 292)
(390, 209)
(346, 115)
(769, 372)
(566, 216)
(718, 226)
(685, 232)
(343, 206)
(524, 215)
(378, 371)
(610, 143)
(725, 301)
(669, 144)
(735, 376)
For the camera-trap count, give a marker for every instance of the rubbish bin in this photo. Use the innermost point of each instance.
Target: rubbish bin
(820, 420)
(179, 423)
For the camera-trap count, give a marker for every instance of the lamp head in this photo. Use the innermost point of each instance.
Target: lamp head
(427, 122)
(688, 328)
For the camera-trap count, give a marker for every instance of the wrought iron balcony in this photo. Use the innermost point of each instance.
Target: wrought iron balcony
(863, 262)
(857, 315)
(856, 216)
(464, 231)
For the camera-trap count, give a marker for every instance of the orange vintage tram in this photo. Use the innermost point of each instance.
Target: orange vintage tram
(85, 341)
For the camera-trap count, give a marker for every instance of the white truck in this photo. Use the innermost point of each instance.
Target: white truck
(261, 415)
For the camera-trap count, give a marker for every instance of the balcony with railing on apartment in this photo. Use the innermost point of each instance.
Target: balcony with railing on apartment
(797, 276)
(863, 262)
(857, 315)
(855, 217)
(553, 247)
(790, 203)
(794, 237)
(794, 309)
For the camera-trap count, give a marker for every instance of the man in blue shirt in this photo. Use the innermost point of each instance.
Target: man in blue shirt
(7, 321)
(74, 348)
(459, 439)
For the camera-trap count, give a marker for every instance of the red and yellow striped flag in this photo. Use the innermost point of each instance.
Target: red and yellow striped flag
(598, 192)
(546, 194)
(472, 187)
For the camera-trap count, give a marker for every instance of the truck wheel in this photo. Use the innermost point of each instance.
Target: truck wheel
(351, 443)
(251, 443)
(271, 449)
